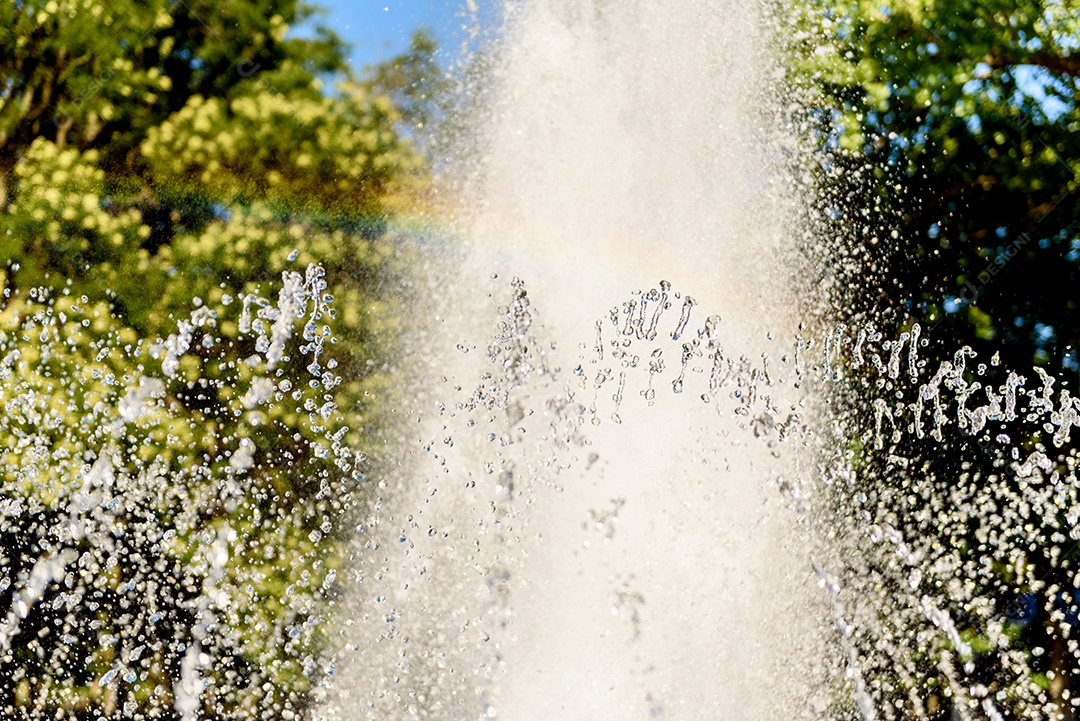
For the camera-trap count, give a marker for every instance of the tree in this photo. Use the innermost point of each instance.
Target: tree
(955, 138)
(950, 186)
(189, 345)
(96, 76)
(416, 84)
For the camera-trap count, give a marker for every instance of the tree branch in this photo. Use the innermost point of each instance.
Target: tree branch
(1061, 64)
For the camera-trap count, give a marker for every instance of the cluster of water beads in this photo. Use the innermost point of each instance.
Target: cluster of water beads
(513, 438)
(932, 580)
(428, 647)
(147, 488)
(955, 539)
(632, 342)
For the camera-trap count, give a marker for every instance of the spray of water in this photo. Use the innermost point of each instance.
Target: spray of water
(632, 485)
(586, 523)
(626, 482)
(93, 521)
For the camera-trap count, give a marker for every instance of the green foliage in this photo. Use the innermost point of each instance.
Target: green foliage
(950, 184)
(146, 478)
(70, 70)
(57, 224)
(955, 168)
(98, 75)
(186, 393)
(416, 84)
(338, 153)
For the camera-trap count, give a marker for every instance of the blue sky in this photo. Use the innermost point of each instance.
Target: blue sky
(380, 29)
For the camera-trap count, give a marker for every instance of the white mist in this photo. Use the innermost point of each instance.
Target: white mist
(645, 568)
